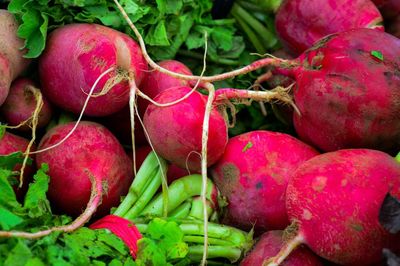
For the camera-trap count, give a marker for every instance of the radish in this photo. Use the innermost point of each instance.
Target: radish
(175, 130)
(334, 200)
(253, 173)
(270, 243)
(90, 152)
(21, 103)
(155, 82)
(119, 124)
(300, 23)
(348, 92)
(74, 58)
(10, 143)
(12, 62)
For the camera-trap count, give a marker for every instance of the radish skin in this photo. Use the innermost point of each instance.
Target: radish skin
(334, 200)
(91, 151)
(92, 49)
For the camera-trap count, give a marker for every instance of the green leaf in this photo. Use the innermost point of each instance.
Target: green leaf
(223, 37)
(157, 35)
(8, 199)
(11, 160)
(163, 243)
(19, 255)
(377, 54)
(36, 203)
(9, 220)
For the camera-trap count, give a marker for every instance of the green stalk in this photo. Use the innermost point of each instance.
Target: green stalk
(236, 237)
(197, 211)
(266, 35)
(261, 5)
(148, 194)
(250, 34)
(182, 211)
(143, 178)
(398, 157)
(211, 241)
(179, 191)
(232, 254)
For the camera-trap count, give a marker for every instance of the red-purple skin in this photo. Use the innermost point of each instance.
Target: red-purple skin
(155, 82)
(91, 149)
(176, 131)
(76, 55)
(119, 124)
(270, 243)
(253, 173)
(12, 62)
(300, 23)
(21, 103)
(11, 143)
(348, 96)
(335, 199)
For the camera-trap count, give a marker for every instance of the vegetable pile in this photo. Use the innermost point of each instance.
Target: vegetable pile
(199, 132)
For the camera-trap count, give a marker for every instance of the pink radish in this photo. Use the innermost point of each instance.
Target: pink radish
(334, 201)
(91, 151)
(175, 131)
(300, 23)
(21, 103)
(155, 82)
(75, 57)
(11, 143)
(270, 243)
(253, 173)
(12, 62)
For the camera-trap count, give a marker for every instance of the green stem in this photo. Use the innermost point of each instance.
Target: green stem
(266, 35)
(264, 5)
(179, 191)
(233, 254)
(398, 157)
(197, 211)
(148, 194)
(250, 34)
(144, 177)
(236, 237)
(182, 211)
(211, 241)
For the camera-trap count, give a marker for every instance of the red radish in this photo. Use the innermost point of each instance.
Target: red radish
(253, 173)
(21, 103)
(74, 58)
(12, 62)
(119, 123)
(348, 92)
(334, 200)
(300, 23)
(175, 131)
(90, 151)
(155, 82)
(11, 143)
(270, 243)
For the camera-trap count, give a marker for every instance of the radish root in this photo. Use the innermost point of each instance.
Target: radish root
(34, 122)
(80, 115)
